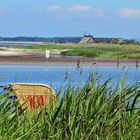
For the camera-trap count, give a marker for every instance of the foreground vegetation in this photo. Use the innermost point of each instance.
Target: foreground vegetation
(93, 112)
(91, 50)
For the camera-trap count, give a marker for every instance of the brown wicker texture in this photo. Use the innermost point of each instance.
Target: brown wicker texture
(33, 95)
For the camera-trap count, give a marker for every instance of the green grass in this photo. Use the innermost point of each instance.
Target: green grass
(91, 112)
(91, 50)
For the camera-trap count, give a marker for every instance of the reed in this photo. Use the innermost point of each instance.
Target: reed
(95, 111)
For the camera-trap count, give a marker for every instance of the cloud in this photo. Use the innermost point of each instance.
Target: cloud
(99, 12)
(77, 10)
(80, 8)
(54, 8)
(129, 13)
(92, 12)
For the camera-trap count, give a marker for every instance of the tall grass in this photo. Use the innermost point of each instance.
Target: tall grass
(92, 112)
(91, 50)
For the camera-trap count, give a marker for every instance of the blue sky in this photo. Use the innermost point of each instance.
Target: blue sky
(54, 18)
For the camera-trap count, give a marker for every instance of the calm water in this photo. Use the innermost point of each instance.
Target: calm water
(16, 43)
(57, 76)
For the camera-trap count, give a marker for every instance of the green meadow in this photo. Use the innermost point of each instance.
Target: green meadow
(104, 50)
(96, 111)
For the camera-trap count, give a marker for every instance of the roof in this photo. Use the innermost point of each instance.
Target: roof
(87, 39)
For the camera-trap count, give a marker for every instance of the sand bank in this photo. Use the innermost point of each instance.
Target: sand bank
(39, 60)
(18, 56)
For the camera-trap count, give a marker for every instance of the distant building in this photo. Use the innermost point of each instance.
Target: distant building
(117, 40)
(88, 39)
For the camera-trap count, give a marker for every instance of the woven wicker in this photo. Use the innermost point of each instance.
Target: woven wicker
(33, 95)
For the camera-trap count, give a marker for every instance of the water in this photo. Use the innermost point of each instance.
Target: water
(57, 76)
(17, 43)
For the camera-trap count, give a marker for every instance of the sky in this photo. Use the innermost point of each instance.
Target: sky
(70, 18)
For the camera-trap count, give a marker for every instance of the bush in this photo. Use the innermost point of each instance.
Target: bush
(132, 42)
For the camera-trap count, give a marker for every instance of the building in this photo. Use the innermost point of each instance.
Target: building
(88, 39)
(117, 40)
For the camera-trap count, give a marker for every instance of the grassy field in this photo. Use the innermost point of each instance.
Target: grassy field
(92, 50)
(92, 112)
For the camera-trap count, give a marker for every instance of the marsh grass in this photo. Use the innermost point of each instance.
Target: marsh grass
(91, 50)
(95, 111)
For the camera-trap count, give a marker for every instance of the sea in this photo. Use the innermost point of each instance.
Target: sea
(61, 76)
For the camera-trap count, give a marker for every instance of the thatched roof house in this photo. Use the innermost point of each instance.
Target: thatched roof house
(117, 40)
(88, 39)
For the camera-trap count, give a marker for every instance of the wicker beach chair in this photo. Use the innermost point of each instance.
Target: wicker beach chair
(33, 96)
